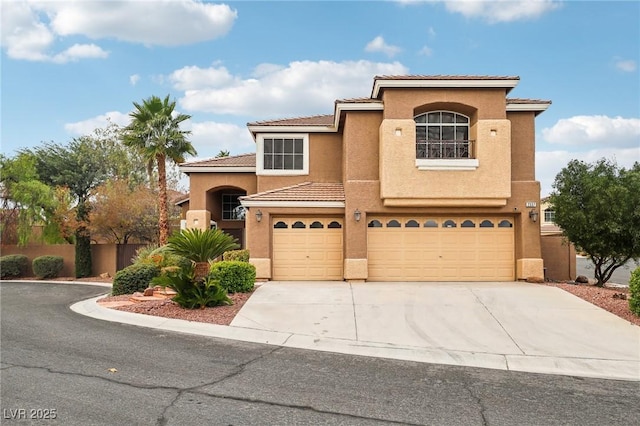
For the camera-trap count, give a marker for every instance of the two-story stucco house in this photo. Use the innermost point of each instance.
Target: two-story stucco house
(430, 178)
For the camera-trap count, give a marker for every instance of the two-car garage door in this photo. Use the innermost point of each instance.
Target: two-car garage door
(440, 249)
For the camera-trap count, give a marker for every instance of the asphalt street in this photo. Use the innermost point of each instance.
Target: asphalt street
(85, 371)
(620, 276)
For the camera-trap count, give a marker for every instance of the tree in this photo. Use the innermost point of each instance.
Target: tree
(80, 166)
(25, 200)
(596, 205)
(223, 153)
(155, 132)
(115, 218)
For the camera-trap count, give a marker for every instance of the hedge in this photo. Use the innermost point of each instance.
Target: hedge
(13, 265)
(239, 255)
(634, 292)
(235, 276)
(47, 266)
(134, 278)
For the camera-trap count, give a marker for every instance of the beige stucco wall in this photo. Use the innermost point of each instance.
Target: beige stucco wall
(523, 150)
(559, 258)
(200, 184)
(325, 164)
(403, 184)
(478, 104)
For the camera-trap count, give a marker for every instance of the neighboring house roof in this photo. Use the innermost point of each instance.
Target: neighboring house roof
(311, 194)
(181, 200)
(243, 163)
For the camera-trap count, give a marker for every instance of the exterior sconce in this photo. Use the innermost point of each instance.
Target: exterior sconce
(493, 132)
(357, 215)
(259, 215)
(195, 222)
(533, 215)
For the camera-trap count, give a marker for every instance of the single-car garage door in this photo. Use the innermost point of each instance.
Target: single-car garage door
(447, 248)
(307, 249)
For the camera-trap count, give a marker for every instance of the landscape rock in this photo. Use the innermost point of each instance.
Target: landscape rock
(105, 275)
(582, 279)
(148, 291)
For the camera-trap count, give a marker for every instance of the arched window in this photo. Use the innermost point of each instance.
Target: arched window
(316, 224)
(505, 224)
(468, 224)
(334, 225)
(299, 225)
(486, 224)
(442, 134)
(412, 224)
(431, 224)
(375, 224)
(280, 225)
(449, 224)
(393, 224)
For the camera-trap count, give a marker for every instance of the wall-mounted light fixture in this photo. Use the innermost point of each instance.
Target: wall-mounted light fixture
(493, 132)
(357, 215)
(533, 215)
(259, 215)
(195, 222)
(398, 131)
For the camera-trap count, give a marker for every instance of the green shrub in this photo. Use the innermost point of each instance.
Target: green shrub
(201, 246)
(634, 292)
(134, 278)
(13, 265)
(234, 276)
(47, 266)
(239, 255)
(161, 257)
(192, 293)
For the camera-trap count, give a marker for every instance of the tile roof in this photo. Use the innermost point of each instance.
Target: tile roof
(314, 120)
(358, 101)
(242, 160)
(445, 77)
(526, 101)
(306, 191)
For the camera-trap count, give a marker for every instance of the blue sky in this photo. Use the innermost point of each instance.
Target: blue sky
(68, 66)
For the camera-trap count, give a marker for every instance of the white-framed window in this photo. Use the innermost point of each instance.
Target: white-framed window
(231, 208)
(282, 154)
(549, 215)
(442, 142)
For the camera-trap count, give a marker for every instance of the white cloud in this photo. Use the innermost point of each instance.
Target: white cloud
(87, 126)
(379, 45)
(628, 65)
(497, 10)
(301, 88)
(79, 51)
(550, 163)
(585, 130)
(210, 137)
(26, 33)
(134, 79)
(158, 22)
(426, 51)
(193, 77)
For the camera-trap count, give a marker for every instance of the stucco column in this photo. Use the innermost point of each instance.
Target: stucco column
(198, 219)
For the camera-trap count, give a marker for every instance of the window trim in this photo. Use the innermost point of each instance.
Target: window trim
(470, 163)
(260, 170)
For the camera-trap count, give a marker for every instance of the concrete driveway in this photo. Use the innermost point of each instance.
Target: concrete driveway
(507, 326)
(514, 326)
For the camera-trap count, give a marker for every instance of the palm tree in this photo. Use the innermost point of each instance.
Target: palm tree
(155, 131)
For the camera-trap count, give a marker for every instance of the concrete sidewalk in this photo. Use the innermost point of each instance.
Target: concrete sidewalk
(508, 326)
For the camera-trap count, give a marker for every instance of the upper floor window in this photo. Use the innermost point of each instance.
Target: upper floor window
(231, 208)
(443, 135)
(549, 215)
(283, 154)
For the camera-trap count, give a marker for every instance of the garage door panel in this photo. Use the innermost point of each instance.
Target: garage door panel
(441, 253)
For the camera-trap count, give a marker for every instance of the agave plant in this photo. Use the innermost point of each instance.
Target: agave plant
(201, 246)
